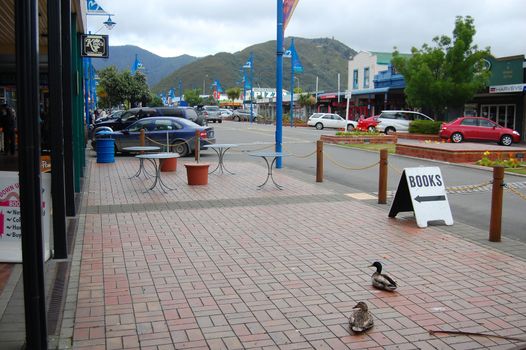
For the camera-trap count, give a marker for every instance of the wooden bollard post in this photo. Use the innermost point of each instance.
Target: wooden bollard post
(496, 204)
(382, 178)
(142, 138)
(197, 146)
(319, 161)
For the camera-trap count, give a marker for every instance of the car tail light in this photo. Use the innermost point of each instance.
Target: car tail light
(203, 134)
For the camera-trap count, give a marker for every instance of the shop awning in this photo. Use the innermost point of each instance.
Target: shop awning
(370, 91)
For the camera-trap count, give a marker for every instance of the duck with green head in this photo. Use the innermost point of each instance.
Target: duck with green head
(381, 280)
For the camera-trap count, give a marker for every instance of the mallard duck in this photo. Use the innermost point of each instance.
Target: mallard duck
(381, 280)
(361, 319)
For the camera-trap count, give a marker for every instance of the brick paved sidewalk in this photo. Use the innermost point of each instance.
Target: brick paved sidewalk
(227, 266)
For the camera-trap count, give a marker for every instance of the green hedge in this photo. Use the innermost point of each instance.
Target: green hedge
(428, 127)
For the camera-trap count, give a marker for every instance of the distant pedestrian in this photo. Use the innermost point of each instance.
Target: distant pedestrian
(8, 124)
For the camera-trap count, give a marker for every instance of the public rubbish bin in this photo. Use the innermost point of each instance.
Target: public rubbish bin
(105, 147)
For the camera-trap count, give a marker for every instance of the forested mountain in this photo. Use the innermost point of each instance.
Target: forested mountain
(323, 58)
(156, 67)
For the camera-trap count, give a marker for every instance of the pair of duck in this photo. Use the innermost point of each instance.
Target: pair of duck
(361, 319)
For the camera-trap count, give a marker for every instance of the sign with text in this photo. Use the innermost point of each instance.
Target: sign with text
(422, 191)
(10, 221)
(507, 88)
(95, 46)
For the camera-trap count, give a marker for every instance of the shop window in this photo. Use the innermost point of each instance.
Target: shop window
(355, 79)
(366, 77)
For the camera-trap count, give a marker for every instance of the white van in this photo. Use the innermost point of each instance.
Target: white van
(398, 121)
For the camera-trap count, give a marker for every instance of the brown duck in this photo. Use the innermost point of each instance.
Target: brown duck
(361, 319)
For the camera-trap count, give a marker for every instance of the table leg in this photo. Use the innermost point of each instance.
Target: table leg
(221, 161)
(142, 169)
(218, 164)
(161, 182)
(272, 177)
(269, 174)
(157, 174)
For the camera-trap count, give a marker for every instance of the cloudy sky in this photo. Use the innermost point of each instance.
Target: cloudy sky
(204, 27)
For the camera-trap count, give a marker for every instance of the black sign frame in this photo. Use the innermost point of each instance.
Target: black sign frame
(95, 46)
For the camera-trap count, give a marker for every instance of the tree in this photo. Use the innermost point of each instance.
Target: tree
(443, 77)
(306, 101)
(155, 101)
(233, 93)
(110, 87)
(192, 97)
(117, 88)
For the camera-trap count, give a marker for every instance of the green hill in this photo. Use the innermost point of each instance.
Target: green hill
(156, 67)
(323, 58)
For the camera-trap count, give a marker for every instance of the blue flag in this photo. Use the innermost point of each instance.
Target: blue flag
(296, 62)
(94, 8)
(218, 86)
(137, 65)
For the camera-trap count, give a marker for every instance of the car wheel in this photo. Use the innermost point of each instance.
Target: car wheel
(390, 130)
(506, 140)
(457, 137)
(319, 126)
(236, 118)
(371, 129)
(220, 121)
(350, 127)
(180, 147)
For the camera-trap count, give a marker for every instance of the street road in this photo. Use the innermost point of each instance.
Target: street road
(471, 208)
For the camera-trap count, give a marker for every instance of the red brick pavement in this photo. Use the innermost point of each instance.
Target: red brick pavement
(277, 276)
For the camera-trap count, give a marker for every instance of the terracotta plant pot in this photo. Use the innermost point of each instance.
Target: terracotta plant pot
(197, 173)
(169, 164)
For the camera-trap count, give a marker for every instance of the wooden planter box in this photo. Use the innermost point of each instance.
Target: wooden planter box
(419, 137)
(380, 138)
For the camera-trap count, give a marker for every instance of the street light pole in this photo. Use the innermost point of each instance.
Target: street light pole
(204, 80)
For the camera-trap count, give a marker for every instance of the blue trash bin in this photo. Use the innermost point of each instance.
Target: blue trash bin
(105, 147)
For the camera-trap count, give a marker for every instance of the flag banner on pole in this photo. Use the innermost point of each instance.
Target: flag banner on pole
(218, 86)
(137, 65)
(94, 8)
(288, 9)
(296, 62)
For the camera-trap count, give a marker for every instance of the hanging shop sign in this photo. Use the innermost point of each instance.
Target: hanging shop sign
(95, 46)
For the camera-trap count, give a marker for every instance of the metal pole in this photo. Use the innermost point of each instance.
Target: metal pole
(67, 105)
(292, 86)
(319, 161)
(251, 86)
(27, 90)
(279, 82)
(382, 178)
(496, 204)
(60, 249)
(338, 87)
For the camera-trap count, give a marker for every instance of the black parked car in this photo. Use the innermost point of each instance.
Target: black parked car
(132, 115)
(179, 133)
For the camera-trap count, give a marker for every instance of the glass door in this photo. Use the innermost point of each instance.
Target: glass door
(502, 114)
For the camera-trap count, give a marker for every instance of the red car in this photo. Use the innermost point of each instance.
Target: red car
(478, 128)
(368, 124)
